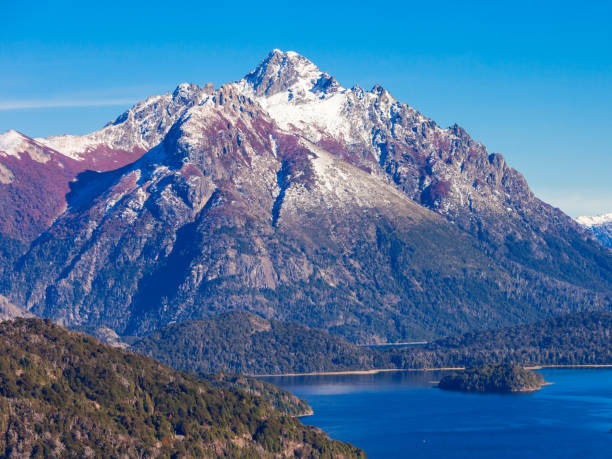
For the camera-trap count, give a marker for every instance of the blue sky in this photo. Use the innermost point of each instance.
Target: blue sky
(532, 80)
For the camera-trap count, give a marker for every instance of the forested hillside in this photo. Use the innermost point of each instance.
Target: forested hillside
(65, 394)
(241, 342)
(575, 339)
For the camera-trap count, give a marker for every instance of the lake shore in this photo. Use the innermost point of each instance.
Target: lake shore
(357, 372)
(387, 370)
(538, 367)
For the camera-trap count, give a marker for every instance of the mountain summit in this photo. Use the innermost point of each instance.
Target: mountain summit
(290, 196)
(288, 73)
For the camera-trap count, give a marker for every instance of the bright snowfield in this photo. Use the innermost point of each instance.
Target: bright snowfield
(312, 101)
(589, 222)
(13, 143)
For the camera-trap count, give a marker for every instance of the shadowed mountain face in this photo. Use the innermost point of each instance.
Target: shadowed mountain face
(288, 195)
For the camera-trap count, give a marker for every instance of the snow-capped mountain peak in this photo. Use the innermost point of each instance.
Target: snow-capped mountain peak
(291, 74)
(600, 226)
(11, 142)
(298, 95)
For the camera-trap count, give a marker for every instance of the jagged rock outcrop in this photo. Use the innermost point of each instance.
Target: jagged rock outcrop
(10, 311)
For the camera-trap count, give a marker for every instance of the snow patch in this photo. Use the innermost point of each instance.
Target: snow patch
(315, 104)
(598, 220)
(143, 126)
(349, 185)
(6, 176)
(13, 143)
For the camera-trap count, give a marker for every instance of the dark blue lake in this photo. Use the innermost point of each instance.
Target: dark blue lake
(401, 415)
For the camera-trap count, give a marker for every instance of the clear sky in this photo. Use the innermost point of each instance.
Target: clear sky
(530, 79)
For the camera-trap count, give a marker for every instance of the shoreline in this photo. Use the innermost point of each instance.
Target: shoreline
(593, 365)
(389, 370)
(356, 372)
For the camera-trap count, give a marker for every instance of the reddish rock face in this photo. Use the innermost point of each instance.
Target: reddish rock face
(34, 195)
(102, 158)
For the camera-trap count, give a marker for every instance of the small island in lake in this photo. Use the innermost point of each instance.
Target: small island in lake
(503, 378)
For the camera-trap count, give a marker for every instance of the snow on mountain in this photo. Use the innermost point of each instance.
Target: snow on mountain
(134, 132)
(589, 222)
(13, 143)
(443, 169)
(34, 180)
(298, 95)
(600, 226)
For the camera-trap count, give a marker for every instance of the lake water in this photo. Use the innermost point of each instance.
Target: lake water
(401, 415)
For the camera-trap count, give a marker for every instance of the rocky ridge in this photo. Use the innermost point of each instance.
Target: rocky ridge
(36, 174)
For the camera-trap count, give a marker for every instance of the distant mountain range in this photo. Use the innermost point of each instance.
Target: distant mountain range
(600, 226)
(290, 196)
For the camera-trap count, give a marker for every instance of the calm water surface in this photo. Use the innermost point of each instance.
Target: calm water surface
(400, 414)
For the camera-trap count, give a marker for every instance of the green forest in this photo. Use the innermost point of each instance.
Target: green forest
(242, 342)
(502, 378)
(65, 394)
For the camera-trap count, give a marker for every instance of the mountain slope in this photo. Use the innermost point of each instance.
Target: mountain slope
(134, 132)
(33, 181)
(66, 394)
(443, 169)
(35, 174)
(238, 208)
(600, 226)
